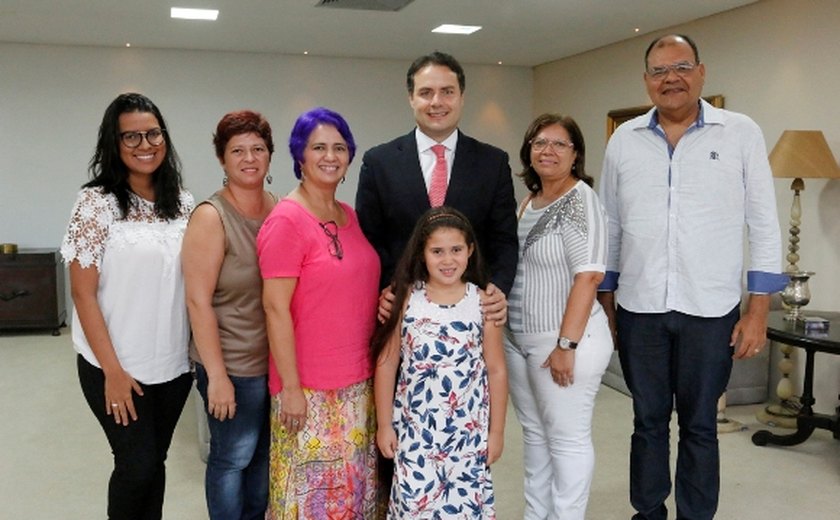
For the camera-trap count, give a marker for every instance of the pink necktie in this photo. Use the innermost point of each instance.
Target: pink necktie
(437, 188)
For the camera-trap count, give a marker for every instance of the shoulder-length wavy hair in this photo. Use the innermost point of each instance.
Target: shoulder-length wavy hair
(529, 175)
(412, 266)
(108, 171)
(307, 122)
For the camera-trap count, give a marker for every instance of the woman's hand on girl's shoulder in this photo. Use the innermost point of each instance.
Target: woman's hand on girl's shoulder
(386, 304)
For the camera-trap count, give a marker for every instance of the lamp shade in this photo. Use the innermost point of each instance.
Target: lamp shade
(803, 154)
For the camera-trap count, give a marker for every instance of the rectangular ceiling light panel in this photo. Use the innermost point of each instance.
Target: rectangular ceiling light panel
(194, 14)
(449, 28)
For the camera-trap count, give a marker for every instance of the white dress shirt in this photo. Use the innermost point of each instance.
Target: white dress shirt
(428, 157)
(677, 216)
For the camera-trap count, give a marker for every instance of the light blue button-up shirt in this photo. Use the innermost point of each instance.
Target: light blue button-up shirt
(678, 215)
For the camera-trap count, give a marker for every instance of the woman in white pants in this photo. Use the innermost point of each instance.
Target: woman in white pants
(559, 343)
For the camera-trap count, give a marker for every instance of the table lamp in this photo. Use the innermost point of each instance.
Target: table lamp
(800, 154)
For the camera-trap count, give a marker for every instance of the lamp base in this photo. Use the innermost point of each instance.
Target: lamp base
(781, 415)
(728, 426)
(794, 314)
(796, 294)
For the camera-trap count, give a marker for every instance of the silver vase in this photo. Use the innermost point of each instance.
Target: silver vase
(796, 294)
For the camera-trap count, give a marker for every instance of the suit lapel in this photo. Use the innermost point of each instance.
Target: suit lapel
(461, 171)
(412, 174)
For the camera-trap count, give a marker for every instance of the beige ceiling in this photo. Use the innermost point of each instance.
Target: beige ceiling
(516, 32)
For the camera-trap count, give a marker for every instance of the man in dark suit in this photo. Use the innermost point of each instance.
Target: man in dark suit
(395, 177)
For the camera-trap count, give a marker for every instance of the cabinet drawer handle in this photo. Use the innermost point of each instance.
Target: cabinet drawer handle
(7, 297)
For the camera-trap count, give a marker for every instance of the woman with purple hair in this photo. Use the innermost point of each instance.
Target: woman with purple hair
(320, 294)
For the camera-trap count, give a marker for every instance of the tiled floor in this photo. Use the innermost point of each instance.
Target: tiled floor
(54, 461)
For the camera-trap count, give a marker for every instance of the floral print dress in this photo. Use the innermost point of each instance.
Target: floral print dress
(442, 413)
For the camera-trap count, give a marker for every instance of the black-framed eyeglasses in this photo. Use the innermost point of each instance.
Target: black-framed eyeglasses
(331, 230)
(680, 68)
(133, 139)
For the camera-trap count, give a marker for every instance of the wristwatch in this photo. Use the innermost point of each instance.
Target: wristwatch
(565, 343)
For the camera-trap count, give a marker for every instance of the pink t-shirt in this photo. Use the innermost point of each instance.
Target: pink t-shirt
(334, 304)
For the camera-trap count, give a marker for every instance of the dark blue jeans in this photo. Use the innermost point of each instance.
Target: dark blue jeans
(675, 360)
(236, 481)
(137, 483)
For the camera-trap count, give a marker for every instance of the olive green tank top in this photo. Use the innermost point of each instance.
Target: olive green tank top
(237, 299)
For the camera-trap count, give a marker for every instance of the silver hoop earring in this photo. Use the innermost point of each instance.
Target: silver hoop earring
(269, 179)
(343, 179)
(225, 181)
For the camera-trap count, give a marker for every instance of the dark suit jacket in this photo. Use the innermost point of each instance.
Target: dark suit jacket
(392, 196)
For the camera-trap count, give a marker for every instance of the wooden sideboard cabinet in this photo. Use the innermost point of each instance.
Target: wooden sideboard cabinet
(32, 290)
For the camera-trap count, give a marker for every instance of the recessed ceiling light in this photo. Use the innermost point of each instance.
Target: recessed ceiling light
(127, 44)
(194, 14)
(449, 28)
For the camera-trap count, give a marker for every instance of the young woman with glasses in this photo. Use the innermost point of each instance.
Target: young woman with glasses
(130, 325)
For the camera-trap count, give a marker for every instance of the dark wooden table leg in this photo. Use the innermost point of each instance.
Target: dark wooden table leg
(806, 421)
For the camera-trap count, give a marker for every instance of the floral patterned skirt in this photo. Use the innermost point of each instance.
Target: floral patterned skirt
(328, 470)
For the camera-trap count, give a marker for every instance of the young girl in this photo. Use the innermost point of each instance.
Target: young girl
(445, 425)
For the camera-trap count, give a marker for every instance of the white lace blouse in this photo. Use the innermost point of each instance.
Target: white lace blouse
(141, 288)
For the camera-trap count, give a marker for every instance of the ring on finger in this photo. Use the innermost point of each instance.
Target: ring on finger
(114, 405)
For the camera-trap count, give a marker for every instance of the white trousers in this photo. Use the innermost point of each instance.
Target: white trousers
(557, 421)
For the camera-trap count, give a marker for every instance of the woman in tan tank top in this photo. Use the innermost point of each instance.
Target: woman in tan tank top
(224, 298)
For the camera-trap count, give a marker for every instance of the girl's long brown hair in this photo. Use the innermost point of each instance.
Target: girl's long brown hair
(412, 267)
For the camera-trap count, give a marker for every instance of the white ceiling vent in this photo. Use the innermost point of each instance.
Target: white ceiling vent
(368, 5)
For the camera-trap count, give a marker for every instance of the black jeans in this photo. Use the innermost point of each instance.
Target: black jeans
(137, 483)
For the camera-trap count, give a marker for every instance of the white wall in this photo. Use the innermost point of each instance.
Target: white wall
(777, 61)
(52, 99)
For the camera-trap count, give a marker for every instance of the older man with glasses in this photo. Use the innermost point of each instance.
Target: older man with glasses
(680, 185)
